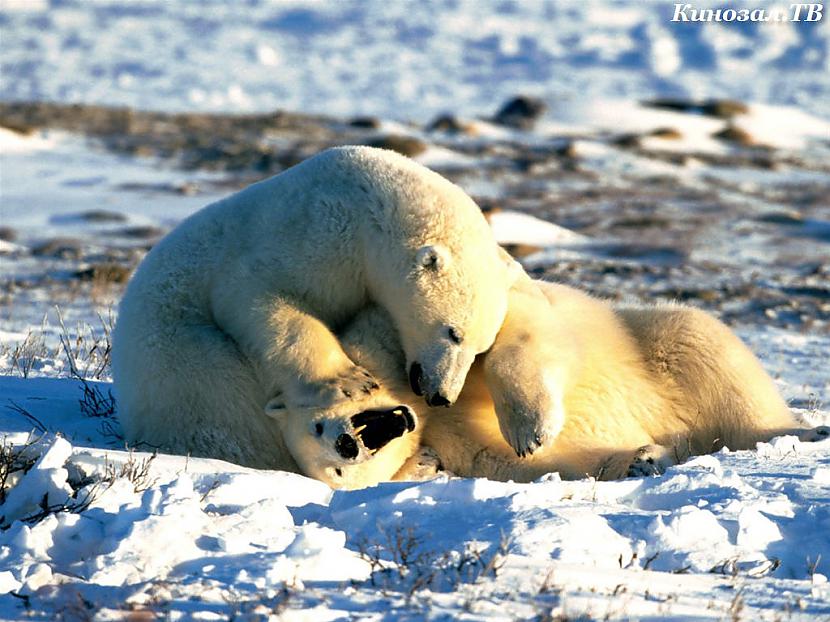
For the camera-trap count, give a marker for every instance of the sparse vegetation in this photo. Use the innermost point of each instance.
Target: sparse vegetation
(136, 470)
(14, 462)
(399, 562)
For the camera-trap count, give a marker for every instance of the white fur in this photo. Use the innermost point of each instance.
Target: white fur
(235, 308)
(608, 390)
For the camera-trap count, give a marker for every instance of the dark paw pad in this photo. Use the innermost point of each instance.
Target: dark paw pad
(376, 428)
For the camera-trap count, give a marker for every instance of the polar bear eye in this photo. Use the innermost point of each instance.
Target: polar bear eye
(318, 429)
(454, 335)
(338, 472)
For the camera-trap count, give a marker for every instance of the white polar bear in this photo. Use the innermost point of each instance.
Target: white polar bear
(619, 390)
(234, 310)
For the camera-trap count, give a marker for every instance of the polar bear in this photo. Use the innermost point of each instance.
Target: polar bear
(234, 309)
(618, 389)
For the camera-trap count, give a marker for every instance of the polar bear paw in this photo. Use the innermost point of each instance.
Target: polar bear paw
(354, 384)
(651, 460)
(424, 465)
(526, 430)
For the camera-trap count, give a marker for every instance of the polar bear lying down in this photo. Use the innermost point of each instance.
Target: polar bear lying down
(621, 390)
(284, 327)
(235, 308)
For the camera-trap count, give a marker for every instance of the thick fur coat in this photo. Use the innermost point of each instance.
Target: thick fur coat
(233, 313)
(607, 391)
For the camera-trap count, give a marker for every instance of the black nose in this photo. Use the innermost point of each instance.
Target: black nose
(415, 375)
(437, 400)
(346, 446)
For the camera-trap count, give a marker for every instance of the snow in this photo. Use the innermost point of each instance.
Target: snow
(511, 227)
(200, 539)
(416, 59)
(728, 519)
(734, 535)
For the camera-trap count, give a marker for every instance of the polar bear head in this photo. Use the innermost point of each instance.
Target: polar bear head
(433, 263)
(448, 301)
(350, 451)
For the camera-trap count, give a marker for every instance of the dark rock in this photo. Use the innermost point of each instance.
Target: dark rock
(368, 123)
(723, 108)
(673, 103)
(521, 112)
(99, 215)
(141, 232)
(720, 108)
(781, 218)
(450, 124)
(668, 133)
(7, 234)
(735, 135)
(567, 150)
(406, 145)
(628, 141)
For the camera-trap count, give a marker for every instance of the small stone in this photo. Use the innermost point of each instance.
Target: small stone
(100, 215)
(567, 150)
(723, 108)
(628, 141)
(668, 133)
(7, 234)
(367, 123)
(405, 145)
(142, 232)
(521, 112)
(672, 103)
(735, 135)
(781, 218)
(451, 125)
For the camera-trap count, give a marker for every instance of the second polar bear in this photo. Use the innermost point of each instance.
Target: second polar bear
(235, 308)
(628, 389)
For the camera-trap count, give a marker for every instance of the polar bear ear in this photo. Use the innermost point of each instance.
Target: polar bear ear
(275, 407)
(432, 258)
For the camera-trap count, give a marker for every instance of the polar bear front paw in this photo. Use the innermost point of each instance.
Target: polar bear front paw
(651, 460)
(354, 384)
(526, 431)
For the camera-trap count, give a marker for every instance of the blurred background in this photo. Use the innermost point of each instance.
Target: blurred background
(400, 59)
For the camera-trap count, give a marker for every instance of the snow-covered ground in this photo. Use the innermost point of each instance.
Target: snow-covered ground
(93, 531)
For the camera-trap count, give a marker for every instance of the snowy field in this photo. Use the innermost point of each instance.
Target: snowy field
(402, 60)
(723, 209)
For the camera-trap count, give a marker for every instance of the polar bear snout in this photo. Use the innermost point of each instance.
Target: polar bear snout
(416, 374)
(346, 446)
(417, 382)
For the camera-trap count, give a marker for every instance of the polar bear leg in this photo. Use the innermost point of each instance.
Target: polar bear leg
(303, 362)
(198, 395)
(731, 400)
(527, 368)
